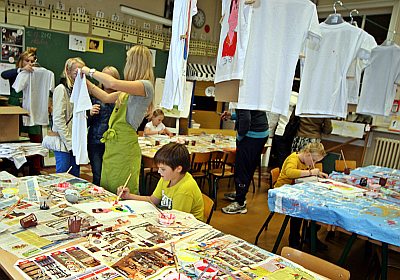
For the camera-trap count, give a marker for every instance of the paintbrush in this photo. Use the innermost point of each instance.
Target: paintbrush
(175, 259)
(344, 160)
(11, 208)
(159, 210)
(122, 191)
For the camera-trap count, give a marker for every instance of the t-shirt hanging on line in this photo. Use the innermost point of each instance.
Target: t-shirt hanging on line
(278, 31)
(236, 17)
(81, 100)
(35, 86)
(379, 89)
(355, 70)
(323, 87)
(175, 76)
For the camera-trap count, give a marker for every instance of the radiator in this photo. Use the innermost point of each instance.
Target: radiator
(387, 153)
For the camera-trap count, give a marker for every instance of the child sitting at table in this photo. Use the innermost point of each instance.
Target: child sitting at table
(299, 165)
(176, 188)
(155, 126)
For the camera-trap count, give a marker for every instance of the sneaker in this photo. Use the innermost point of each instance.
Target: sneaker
(235, 208)
(230, 196)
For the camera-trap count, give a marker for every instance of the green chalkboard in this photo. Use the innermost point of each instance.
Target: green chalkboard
(53, 51)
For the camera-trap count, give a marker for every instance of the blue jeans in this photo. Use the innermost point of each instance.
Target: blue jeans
(64, 160)
(96, 152)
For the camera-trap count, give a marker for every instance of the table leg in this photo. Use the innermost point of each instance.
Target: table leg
(347, 249)
(384, 261)
(281, 232)
(264, 226)
(313, 230)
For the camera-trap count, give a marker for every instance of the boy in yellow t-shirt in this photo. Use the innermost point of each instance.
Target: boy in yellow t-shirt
(176, 189)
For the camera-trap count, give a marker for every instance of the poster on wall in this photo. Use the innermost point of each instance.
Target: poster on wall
(77, 43)
(94, 45)
(12, 43)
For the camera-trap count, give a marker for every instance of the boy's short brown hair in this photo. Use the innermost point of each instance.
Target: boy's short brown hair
(173, 155)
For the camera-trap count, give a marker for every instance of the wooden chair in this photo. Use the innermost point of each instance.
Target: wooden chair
(315, 264)
(221, 166)
(274, 177)
(340, 166)
(199, 166)
(319, 166)
(198, 131)
(208, 208)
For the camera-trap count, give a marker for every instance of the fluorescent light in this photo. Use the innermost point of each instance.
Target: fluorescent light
(140, 14)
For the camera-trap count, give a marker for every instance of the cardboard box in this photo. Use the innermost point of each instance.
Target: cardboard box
(9, 122)
(227, 91)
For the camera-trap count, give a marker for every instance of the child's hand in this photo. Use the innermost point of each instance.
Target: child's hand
(125, 192)
(95, 109)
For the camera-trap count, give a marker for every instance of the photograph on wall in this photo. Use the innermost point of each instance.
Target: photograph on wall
(94, 45)
(12, 43)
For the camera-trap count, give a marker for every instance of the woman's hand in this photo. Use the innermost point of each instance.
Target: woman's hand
(95, 110)
(226, 116)
(125, 192)
(315, 172)
(85, 70)
(28, 68)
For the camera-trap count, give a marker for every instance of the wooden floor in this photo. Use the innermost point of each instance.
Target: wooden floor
(246, 226)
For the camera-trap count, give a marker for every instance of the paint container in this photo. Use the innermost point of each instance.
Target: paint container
(346, 171)
(166, 219)
(74, 224)
(44, 202)
(28, 221)
(382, 181)
(201, 268)
(193, 142)
(363, 181)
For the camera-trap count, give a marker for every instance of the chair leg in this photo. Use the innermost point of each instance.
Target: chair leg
(347, 249)
(215, 193)
(259, 175)
(254, 185)
(265, 225)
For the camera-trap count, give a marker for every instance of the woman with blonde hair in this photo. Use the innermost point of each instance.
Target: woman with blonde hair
(62, 117)
(98, 124)
(133, 96)
(299, 165)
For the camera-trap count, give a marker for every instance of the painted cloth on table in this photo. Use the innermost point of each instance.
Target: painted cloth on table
(122, 155)
(291, 169)
(184, 196)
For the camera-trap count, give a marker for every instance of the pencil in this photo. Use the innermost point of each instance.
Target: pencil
(69, 169)
(122, 191)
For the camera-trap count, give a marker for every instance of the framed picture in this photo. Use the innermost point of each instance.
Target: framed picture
(94, 45)
(12, 43)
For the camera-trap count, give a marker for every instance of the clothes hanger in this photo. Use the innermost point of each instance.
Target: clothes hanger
(389, 41)
(352, 21)
(335, 18)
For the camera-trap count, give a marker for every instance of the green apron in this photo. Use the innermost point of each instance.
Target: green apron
(122, 155)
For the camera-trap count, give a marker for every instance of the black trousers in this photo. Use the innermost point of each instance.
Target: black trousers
(248, 153)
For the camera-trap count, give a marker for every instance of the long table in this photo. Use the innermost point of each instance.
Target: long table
(373, 214)
(128, 242)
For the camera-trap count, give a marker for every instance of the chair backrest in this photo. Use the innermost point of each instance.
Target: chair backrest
(198, 131)
(319, 166)
(275, 175)
(208, 208)
(199, 161)
(315, 264)
(148, 163)
(340, 165)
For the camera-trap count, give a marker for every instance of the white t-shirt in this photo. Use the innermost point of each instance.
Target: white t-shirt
(175, 76)
(323, 87)
(35, 86)
(81, 100)
(379, 89)
(278, 31)
(234, 36)
(354, 72)
(159, 127)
